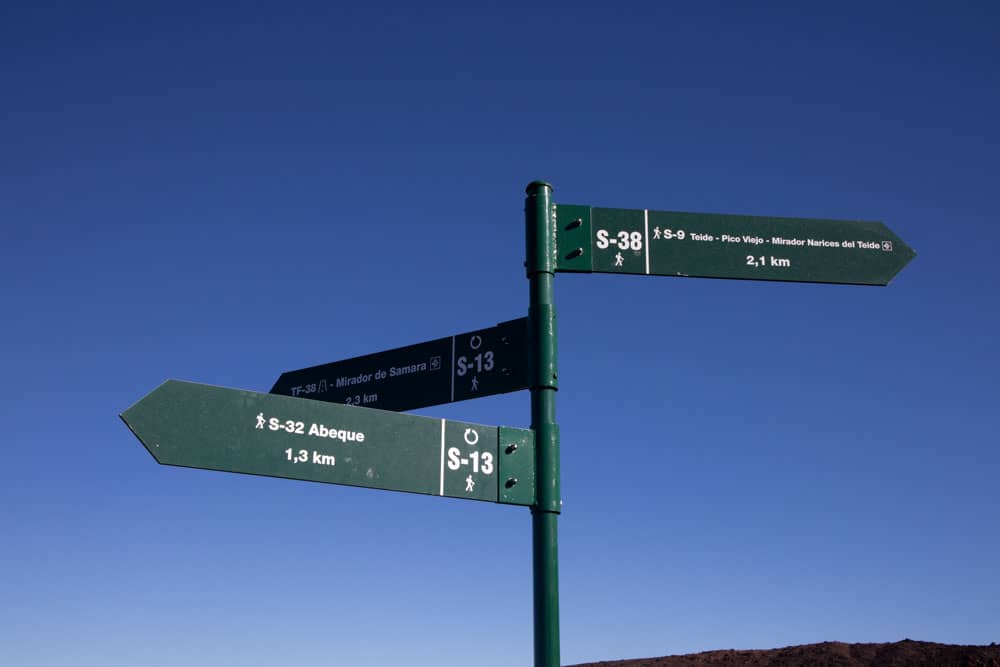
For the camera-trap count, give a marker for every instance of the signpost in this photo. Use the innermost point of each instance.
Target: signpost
(201, 426)
(282, 434)
(662, 243)
(456, 368)
(540, 264)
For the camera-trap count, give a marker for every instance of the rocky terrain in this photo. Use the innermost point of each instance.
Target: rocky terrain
(906, 653)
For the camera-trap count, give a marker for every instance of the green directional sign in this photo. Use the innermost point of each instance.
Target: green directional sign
(469, 365)
(214, 428)
(341, 438)
(665, 243)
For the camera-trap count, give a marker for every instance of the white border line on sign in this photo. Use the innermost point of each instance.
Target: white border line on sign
(452, 371)
(441, 485)
(645, 217)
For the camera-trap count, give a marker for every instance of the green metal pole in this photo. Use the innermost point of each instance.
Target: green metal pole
(541, 263)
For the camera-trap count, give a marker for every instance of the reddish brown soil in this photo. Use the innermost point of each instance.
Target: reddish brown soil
(906, 653)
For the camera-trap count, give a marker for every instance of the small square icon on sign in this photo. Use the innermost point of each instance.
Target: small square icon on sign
(435, 363)
(887, 246)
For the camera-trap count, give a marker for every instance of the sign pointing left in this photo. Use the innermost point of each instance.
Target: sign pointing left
(231, 430)
(469, 365)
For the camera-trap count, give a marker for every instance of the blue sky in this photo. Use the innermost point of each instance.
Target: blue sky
(219, 193)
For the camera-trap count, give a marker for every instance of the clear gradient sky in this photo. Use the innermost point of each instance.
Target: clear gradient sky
(219, 192)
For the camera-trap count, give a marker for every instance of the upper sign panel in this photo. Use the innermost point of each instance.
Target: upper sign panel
(664, 243)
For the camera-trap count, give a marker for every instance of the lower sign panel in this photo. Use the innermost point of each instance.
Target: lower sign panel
(231, 430)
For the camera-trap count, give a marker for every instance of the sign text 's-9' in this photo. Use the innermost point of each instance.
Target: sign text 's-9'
(706, 245)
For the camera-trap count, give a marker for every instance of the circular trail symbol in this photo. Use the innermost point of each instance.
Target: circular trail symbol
(475, 342)
(471, 436)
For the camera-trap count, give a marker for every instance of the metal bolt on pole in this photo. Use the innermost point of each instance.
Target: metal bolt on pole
(541, 264)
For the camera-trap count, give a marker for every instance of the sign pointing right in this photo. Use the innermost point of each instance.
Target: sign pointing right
(664, 243)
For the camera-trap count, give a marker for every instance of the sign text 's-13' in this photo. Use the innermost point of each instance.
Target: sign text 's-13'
(232, 430)
(469, 365)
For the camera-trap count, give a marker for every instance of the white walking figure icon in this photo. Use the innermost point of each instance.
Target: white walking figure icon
(619, 260)
(260, 420)
(656, 232)
(470, 484)
(475, 383)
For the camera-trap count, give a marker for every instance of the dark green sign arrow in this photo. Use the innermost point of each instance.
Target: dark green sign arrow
(469, 365)
(664, 243)
(200, 426)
